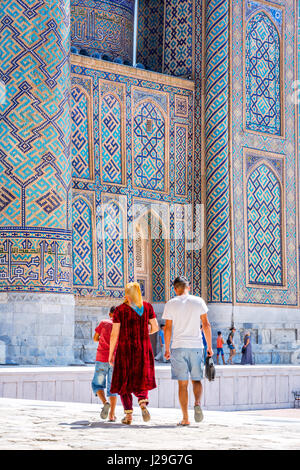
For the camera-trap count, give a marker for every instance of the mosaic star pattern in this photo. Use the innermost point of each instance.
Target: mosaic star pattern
(149, 147)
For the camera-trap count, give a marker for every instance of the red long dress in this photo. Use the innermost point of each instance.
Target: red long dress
(134, 361)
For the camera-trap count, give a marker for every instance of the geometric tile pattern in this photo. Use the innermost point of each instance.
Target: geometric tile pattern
(262, 75)
(181, 143)
(80, 134)
(199, 147)
(30, 261)
(111, 139)
(181, 106)
(178, 45)
(114, 244)
(35, 165)
(277, 148)
(82, 243)
(133, 94)
(180, 252)
(264, 227)
(149, 147)
(158, 265)
(103, 26)
(217, 167)
(150, 34)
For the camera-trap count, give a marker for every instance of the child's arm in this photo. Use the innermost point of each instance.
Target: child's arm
(96, 337)
(97, 333)
(113, 341)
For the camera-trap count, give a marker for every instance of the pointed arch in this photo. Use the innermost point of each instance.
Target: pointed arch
(114, 234)
(84, 242)
(150, 147)
(264, 226)
(112, 139)
(263, 75)
(151, 234)
(82, 133)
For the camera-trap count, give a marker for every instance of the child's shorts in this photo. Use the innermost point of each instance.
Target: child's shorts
(102, 378)
(220, 350)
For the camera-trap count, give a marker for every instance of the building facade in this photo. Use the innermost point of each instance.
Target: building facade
(165, 144)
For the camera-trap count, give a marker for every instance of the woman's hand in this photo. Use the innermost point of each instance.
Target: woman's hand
(111, 361)
(167, 354)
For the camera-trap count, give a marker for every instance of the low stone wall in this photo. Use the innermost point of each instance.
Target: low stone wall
(36, 328)
(235, 387)
(275, 333)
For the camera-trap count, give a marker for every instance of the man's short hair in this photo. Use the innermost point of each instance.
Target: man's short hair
(181, 282)
(112, 309)
(219, 333)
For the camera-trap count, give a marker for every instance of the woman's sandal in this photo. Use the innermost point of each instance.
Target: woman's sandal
(112, 420)
(145, 413)
(183, 424)
(127, 418)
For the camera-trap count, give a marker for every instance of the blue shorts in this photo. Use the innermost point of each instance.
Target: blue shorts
(220, 350)
(102, 378)
(187, 363)
(231, 347)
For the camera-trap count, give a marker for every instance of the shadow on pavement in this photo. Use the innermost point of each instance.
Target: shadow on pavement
(106, 424)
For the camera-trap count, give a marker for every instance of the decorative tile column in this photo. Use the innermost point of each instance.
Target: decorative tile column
(36, 303)
(217, 167)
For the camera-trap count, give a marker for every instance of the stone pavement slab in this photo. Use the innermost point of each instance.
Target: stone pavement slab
(27, 424)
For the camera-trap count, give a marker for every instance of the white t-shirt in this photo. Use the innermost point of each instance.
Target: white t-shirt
(185, 311)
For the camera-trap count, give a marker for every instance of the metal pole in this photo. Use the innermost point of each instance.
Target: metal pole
(135, 28)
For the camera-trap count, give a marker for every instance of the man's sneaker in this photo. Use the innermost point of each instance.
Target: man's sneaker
(198, 413)
(105, 410)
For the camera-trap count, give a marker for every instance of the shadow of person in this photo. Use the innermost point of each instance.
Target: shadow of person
(107, 424)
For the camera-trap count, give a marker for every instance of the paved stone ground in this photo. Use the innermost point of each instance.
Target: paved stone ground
(26, 424)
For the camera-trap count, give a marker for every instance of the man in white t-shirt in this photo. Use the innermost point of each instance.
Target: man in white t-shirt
(184, 315)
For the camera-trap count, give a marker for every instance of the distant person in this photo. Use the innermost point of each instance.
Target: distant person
(220, 342)
(232, 350)
(161, 337)
(134, 371)
(103, 370)
(183, 315)
(247, 350)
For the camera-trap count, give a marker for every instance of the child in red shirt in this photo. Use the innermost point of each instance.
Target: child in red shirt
(103, 370)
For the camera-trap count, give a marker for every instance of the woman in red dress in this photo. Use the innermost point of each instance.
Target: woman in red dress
(133, 372)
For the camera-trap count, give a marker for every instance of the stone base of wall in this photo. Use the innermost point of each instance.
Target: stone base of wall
(275, 332)
(235, 387)
(36, 329)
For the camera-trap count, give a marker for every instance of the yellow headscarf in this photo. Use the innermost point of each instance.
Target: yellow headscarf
(134, 291)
